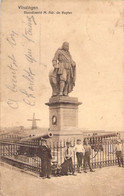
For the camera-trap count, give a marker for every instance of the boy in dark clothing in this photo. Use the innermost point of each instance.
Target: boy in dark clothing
(45, 155)
(87, 148)
(67, 165)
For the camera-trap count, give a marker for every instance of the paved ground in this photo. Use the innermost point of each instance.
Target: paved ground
(104, 182)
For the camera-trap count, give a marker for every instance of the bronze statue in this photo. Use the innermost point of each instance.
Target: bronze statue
(62, 78)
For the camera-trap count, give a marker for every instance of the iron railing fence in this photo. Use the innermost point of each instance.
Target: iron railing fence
(24, 154)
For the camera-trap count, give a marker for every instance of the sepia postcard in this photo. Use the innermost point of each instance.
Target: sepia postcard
(62, 98)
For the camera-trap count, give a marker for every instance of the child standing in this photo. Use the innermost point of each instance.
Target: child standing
(87, 148)
(80, 151)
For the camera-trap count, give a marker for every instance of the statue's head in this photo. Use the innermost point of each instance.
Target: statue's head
(65, 46)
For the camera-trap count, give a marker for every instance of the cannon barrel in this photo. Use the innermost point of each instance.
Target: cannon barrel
(37, 137)
(46, 136)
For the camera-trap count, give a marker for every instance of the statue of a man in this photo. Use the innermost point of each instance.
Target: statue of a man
(62, 78)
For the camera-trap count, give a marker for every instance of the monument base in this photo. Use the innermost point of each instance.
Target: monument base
(63, 117)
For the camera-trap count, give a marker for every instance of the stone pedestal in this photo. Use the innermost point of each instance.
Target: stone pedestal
(63, 116)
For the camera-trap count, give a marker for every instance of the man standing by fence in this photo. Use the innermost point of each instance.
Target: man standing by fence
(45, 155)
(119, 154)
(80, 151)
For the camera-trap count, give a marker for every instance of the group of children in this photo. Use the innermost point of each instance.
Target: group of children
(83, 152)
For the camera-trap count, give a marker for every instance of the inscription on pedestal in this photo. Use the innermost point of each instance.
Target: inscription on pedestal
(70, 117)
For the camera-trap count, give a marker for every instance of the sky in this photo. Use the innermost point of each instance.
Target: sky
(95, 32)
